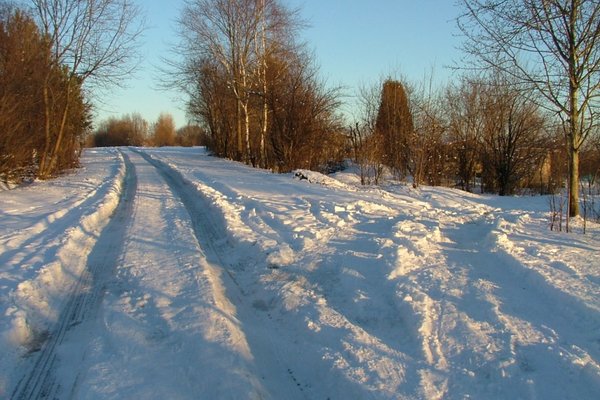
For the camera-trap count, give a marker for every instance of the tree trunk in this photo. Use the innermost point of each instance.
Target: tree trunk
(574, 122)
(263, 133)
(44, 158)
(61, 131)
(573, 181)
(240, 146)
(573, 142)
(248, 157)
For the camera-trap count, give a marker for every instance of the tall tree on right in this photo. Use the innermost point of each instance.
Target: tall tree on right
(550, 47)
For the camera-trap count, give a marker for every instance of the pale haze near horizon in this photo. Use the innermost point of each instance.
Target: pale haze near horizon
(355, 43)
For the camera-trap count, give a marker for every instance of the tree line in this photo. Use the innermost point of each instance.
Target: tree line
(524, 113)
(550, 49)
(134, 130)
(257, 93)
(475, 134)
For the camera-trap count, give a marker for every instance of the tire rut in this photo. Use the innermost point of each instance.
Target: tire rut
(203, 224)
(214, 243)
(82, 304)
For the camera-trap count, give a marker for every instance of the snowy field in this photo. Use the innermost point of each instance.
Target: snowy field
(169, 274)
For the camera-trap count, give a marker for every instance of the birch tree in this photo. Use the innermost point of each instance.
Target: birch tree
(226, 31)
(237, 40)
(551, 47)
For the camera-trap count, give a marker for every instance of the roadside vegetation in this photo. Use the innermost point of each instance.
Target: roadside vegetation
(520, 116)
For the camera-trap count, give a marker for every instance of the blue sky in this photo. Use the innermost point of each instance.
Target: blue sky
(355, 43)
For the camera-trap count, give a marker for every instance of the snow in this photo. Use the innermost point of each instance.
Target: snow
(167, 273)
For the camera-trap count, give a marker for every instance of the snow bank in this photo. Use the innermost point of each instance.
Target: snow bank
(319, 178)
(37, 302)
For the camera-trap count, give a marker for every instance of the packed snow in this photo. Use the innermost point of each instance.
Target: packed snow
(168, 273)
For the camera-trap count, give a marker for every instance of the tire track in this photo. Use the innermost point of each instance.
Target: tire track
(203, 224)
(214, 243)
(84, 300)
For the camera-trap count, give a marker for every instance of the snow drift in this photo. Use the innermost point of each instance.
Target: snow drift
(239, 283)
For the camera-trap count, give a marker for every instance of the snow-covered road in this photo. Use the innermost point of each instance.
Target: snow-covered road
(166, 273)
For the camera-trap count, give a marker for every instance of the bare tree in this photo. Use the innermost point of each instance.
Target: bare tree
(426, 153)
(551, 47)
(253, 88)
(211, 104)
(366, 153)
(366, 145)
(465, 115)
(512, 141)
(96, 42)
(226, 31)
(139, 129)
(305, 131)
(129, 130)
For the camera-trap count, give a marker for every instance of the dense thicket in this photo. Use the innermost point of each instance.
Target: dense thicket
(191, 135)
(32, 87)
(513, 141)
(47, 56)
